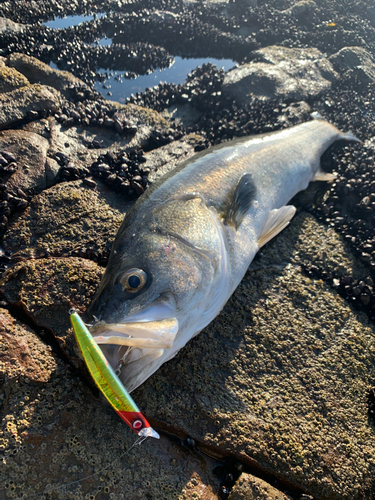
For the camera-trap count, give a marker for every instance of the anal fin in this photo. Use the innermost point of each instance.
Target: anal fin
(241, 200)
(277, 220)
(324, 176)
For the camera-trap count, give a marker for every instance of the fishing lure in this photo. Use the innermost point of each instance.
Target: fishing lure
(107, 380)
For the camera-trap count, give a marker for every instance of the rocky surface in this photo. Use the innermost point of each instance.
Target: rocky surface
(34, 170)
(54, 430)
(357, 62)
(27, 101)
(11, 79)
(293, 74)
(252, 488)
(37, 72)
(8, 26)
(274, 399)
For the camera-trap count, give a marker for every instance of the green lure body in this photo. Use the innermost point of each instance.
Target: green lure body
(107, 380)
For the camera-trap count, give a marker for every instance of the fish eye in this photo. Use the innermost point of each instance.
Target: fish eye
(133, 280)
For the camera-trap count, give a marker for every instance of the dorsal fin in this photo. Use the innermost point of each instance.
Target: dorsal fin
(241, 200)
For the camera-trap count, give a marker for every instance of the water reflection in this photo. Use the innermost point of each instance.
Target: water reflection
(69, 21)
(118, 88)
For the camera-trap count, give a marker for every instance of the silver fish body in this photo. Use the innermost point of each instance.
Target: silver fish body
(187, 242)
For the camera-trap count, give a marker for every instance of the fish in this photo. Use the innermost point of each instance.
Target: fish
(187, 242)
(107, 381)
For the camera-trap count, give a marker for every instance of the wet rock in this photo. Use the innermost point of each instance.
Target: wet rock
(185, 113)
(11, 79)
(34, 170)
(15, 105)
(371, 14)
(356, 61)
(38, 72)
(84, 144)
(280, 72)
(75, 142)
(249, 487)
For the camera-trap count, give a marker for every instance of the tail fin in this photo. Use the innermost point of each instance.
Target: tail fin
(346, 136)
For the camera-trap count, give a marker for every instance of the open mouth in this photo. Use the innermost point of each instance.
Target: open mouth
(133, 345)
(158, 334)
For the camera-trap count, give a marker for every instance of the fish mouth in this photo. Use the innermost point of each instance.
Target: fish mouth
(134, 346)
(147, 334)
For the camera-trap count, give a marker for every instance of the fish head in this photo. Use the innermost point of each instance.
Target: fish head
(154, 285)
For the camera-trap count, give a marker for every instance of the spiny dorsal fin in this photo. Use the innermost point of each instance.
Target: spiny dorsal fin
(241, 200)
(277, 220)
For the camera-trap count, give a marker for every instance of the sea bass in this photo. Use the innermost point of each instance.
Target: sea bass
(185, 245)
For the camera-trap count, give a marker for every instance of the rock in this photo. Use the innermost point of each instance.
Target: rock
(54, 430)
(8, 26)
(249, 487)
(55, 434)
(280, 378)
(164, 159)
(143, 121)
(11, 79)
(303, 352)
(47, 226)
(296, 112)
(22, 354)
(278, 384)
(45, 289)
(288, 73)
(299, 8)
(52, 171)
(15, 105)
(164, 16)
(73, 141)
(184, 113)
(358, 61)
(35, 171)
(38, 72)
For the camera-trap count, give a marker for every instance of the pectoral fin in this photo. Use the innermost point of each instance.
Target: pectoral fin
(241, 200)
(277, 220)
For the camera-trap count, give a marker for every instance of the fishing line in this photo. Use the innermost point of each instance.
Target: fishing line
(137, 442)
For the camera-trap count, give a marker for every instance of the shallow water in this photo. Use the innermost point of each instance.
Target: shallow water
(116, 87)
(69, 21)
